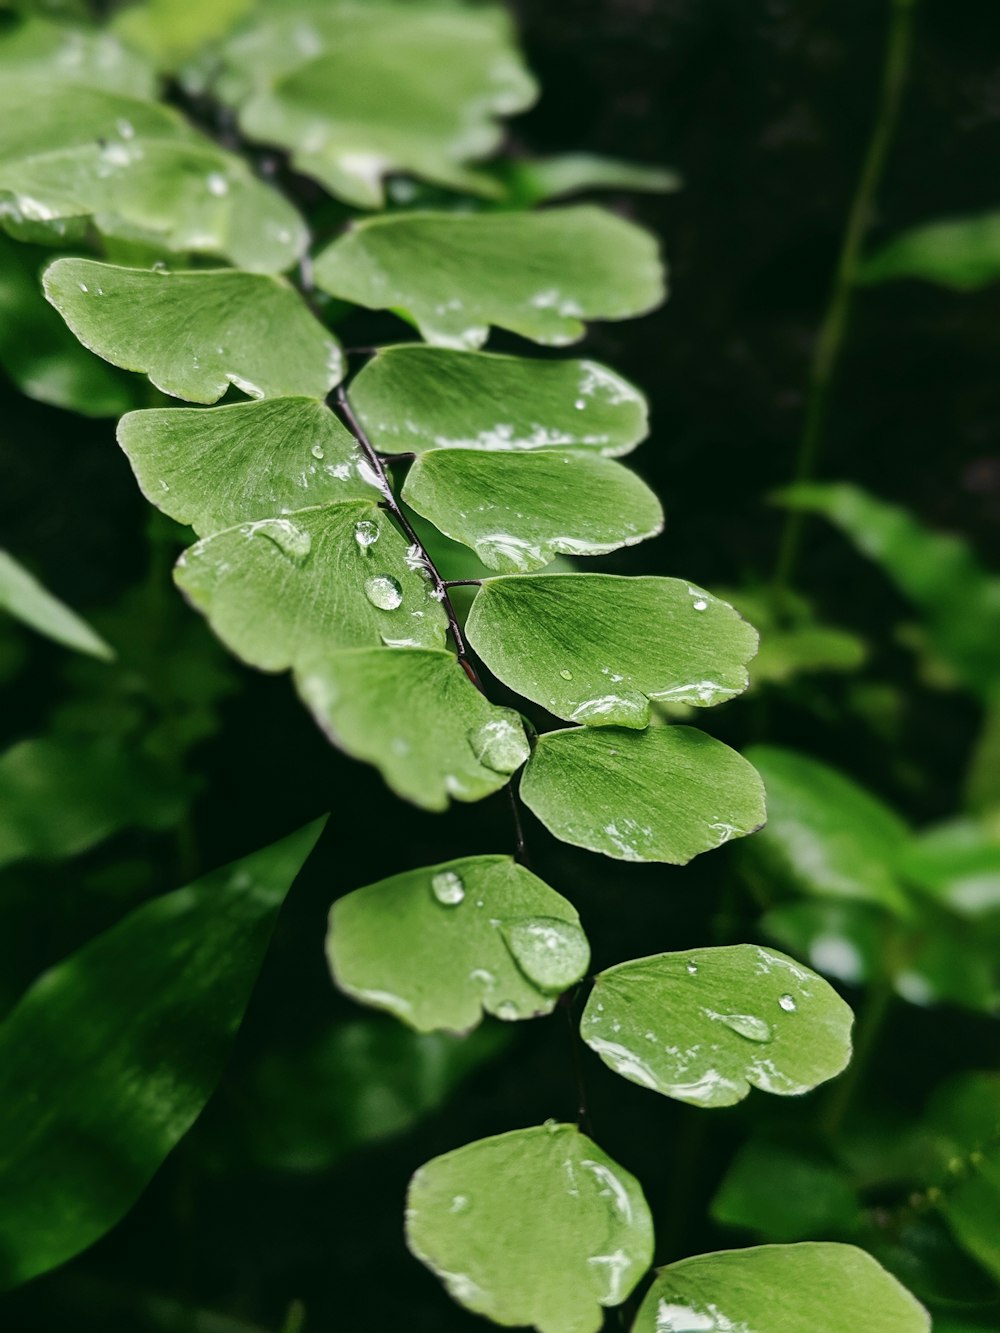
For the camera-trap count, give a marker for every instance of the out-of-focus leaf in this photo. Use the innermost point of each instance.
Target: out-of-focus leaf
(171, 31)
(24, 598)
(665, 794)
(964, 1125)
(794, 642)
(784, 1194)
(413, 398)
(705, 1026)
(963, 253)
(538, 274)
(538, 1227)
(535, 181)
(194, 334)
(110, 1057)
(958, 865)
(438, 946)
(55, 53)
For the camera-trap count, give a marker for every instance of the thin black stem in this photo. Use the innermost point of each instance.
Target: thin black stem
(520, 847)
(582, 1109)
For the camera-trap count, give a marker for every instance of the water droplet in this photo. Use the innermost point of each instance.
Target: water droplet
(506, 1010)
(747, 1025)
(83, 287)
(692, 969)
(290, 540)
(552, 954)
(217, 184)
(459, 1203)
(500, 744)
(318, 451)
(366, 533)
(383, 591)
(580, 404)
(160, 267)
(448, 888)
(787, 1002)
(566, 675)
(700, 604)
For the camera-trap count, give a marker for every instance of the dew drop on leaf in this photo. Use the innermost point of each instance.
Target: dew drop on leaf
(566, 675)
(318, 451)
(366, 532)
(747, 1025)
(290, 540)
(552, 954)
(692, 969)
(448, 888)
(383, 591)
(499, 744)
(787, 1002)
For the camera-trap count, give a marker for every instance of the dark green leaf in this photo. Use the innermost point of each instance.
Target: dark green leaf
(813, 1199)
(963, 253)
(22, 596)
(964, 1125)
(958, 865)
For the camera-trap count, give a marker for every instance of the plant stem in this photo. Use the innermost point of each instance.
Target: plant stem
(834, 326)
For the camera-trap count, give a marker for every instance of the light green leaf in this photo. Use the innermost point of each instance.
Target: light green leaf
(284, 591)
(536, 181)
(964, 1125)
(440, 945)
(963, 253)
(815, 1198)
(665, 794)
(518, 511)
(54, 53)
(412, 398)
(355, 91)
(196, 333)
(958, 865)
(793, 642)
(415, 714)
(816, 1286)
(110, 1057)
(22, 596)
(538, 1227)
(214, 469)
(596, 648)
(706, 1026)
(170, 31)
(825, 834)
(538, 274)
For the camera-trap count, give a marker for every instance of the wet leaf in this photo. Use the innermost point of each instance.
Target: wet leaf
(122, 1045)
(414, 398)
(439, 946)
(55, 53)
(24, 598)
(597, 648)
(283, 591)
(665, 794)
(964, 1124)
(538, 1227)
(214, 469)
(822, 1287)
(194, 334)
(814, 1199)
(957, 864)
(415, 714)
(963, 253)
(538, 274)
(707, 1025)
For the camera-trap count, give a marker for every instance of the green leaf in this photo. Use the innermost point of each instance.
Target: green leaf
(355, 91)
(665, 794)
(122, 1045)
(819, 1287)
(214, 469)
(536, 181)
(412, 398)
(825, 835)
(793, 642)
(597, 648)
(171, 31)
(24, 598)
(538, 274)
(518, 511)
(538, 1227)
(815, 1197)
(196, 333)
(963, 253)
(55, 53)
(704, 1027)
(416, 715)
(958, 865)
(964, 1129)
(440, 945)
(283, 591)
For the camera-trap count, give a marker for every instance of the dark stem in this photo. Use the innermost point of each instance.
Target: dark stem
(582, 1109)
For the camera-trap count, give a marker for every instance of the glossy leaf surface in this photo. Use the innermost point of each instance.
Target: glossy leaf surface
(665, 794)
(706, 1025)
(439, 946)
(24, 598)
(415, 714)
(538, 1227)
(194, 334)
(412, 398)
(597, 648)
(538, 274)
(963, 253)
(122, 1045)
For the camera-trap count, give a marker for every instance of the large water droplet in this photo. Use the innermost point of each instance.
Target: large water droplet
(318, 451)
(506, 1010)
(566, 675)
(552, 954)
(448, 888)
(747, 1025)
(383, 591)
(500, 744)
(787, 1002)
(291, 541)
(366, 533)
(700, 604)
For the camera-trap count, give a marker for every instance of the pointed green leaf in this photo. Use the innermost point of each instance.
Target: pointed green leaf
(518, 511)
(283, 591)
(665, 794)
(110, 1057)
(596, 648)
(819, 1287)
(963, 253)
(705, 1026)
(538, 1227)
(196, 333)
(412, 398)
(356, 91)
(22, 596)
(415, 714)
(816, 1198)
(538, 274)
(214, 469)
(964, 1125)
(534, 181)
(52, 53)
(440, 945)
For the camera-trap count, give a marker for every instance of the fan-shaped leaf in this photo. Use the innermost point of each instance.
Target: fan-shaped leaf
(596, 648)
(196, 333)
(665, 794)
(283, 591)
(963, 253)
(22, 596)
(537, 274)
(705, 1026)
(416, 715)
(438, 946)
(537, 1227)
(54, 53)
